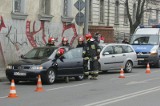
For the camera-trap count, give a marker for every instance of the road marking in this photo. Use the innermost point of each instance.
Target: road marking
(124, 97)
(67, 87)
(140, 82)
(3, 97)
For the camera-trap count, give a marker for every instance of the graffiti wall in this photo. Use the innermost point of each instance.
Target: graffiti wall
(19, 36)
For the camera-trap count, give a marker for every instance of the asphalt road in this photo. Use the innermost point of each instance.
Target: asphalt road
(137, 89)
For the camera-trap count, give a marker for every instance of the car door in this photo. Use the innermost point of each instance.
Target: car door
(120, 57)
(71, 64)
(107, 60)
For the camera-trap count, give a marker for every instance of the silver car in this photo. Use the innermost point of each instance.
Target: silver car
(114, 56)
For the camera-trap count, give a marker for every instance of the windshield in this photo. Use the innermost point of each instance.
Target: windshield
(39, 53)
(144, 40)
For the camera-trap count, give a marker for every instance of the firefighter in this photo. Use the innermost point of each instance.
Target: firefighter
(51, 42)
(65, 42)
(81, 42)
(59, 53)
(91, 53)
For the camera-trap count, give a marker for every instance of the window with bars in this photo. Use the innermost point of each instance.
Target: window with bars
(101, 10)
(45, 7)
(65, 9)
(125, 16)
(116, 12)
(18, 6)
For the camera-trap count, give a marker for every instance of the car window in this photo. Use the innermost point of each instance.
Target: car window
(109, 50)
(127, 49)
(118, 49)
(73, 53)
(39, 53)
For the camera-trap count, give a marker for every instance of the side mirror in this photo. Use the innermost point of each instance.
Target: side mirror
(106, 53)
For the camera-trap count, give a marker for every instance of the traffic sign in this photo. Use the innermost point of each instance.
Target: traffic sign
(80, 18)
(80, 4)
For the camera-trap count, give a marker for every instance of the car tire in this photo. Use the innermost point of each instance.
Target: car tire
(50, 76)
(79, 78)
(128, 67)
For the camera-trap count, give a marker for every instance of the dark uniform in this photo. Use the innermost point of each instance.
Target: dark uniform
(81, 45)
(48, 44)
(91, 53)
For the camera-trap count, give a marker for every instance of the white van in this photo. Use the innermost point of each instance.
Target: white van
(146, 43)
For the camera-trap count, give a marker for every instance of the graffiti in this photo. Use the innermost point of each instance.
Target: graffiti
(66, 27)
(15, 41)
(2, 25)
(34, 41)
(2, 56)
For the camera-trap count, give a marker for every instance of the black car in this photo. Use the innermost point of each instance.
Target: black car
(42, 61)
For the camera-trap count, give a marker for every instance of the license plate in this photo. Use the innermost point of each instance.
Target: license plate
(140, 58)
(19, 74)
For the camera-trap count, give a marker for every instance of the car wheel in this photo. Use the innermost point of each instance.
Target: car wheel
(128, 67)
(79, 78)
(50, 76)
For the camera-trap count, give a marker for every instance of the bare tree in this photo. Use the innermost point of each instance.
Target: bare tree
(139, 15)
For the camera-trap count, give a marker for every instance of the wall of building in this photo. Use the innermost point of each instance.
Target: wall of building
(19, 36)
(121, 30)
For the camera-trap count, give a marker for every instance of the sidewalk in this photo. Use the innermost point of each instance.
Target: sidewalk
(2, 76)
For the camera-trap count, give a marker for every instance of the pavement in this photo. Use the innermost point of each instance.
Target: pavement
(3, 76)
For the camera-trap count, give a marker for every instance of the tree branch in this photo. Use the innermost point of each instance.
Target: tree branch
(128, 14)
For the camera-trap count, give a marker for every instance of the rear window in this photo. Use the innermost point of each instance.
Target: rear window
(127, 49)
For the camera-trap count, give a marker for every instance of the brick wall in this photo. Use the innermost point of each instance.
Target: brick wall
(106, 31)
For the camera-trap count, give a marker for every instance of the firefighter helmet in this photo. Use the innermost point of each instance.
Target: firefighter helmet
(64, 39)
(88, 36)
(81, 39)
(51, 39)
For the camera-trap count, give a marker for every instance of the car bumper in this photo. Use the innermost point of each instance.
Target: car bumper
(152, 60)
(24, 76)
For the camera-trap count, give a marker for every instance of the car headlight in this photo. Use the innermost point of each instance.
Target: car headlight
(9, 67)
(154, 51)
(37, 67)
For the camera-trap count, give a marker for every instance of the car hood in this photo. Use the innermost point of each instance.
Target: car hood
(30, 62)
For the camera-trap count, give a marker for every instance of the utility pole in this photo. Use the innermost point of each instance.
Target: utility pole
(86, 16)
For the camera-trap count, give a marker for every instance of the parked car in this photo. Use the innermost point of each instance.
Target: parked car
(41, 60)
(114, 56)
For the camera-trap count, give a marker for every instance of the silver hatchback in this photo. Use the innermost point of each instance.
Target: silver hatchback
(114, 56)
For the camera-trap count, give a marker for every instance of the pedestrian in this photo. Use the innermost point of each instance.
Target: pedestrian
(102, 39)
(81, 42)
(91, 53)
(51, 42)
(97, 37)
(125, 40)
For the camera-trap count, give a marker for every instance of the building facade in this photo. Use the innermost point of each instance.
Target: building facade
(25, 24)
(113, 13)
